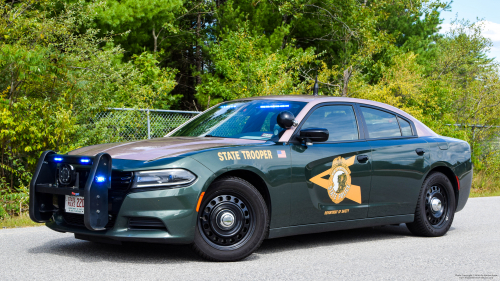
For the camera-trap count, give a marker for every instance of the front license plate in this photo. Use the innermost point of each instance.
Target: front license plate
(74, 204)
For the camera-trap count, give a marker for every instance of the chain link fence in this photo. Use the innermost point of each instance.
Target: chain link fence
(127, 124)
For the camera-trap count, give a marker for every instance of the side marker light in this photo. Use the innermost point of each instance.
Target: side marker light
(199, 201)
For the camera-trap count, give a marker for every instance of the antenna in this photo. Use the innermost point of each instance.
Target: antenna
(316, 86)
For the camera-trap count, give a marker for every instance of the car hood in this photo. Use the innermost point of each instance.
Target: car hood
(152, 149)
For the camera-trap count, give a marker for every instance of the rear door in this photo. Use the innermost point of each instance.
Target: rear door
(330, 180)
(398, 160)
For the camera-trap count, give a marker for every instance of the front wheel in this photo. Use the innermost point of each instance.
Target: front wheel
(435, 207)
(232, 221)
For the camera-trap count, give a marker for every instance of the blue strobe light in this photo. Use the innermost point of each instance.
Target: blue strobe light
(85, 161)
(100, 179)
(275, 106)
(229, 106)
(57, 159)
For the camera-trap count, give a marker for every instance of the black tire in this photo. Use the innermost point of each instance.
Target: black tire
(230, 199)
(430, 222)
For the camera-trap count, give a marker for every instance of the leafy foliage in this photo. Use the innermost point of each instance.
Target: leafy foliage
(63, 61)
(247, 65)
(56, 73)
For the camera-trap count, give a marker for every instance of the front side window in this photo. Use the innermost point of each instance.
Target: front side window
(339, 120)
(241, 119)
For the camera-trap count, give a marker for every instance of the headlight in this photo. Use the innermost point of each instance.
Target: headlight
(160, 178)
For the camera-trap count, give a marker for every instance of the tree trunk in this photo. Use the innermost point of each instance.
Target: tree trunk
(198, 50)
(155, 38)
(283, 45)
(347, 76)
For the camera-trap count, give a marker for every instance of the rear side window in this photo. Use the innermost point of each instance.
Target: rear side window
(380, 123)
(405, 127)
(339, 120)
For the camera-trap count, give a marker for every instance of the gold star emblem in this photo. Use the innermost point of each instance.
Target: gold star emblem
(339, 184)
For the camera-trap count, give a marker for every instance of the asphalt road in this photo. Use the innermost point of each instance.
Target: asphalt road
(471, 248)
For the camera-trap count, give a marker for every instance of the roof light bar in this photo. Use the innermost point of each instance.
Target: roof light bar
(229, 106)
(275, 106)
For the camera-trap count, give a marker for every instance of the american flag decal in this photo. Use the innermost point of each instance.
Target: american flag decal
(281, 154)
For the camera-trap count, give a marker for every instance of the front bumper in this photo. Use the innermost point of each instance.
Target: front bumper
(174, 207)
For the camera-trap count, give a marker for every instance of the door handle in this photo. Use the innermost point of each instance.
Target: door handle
(420, 151)
(362, 158)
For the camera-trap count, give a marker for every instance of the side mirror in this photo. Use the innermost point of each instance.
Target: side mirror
(311, 135)
(286, 120)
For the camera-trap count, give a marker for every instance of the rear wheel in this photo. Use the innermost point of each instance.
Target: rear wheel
(435, 207)
(232, 221)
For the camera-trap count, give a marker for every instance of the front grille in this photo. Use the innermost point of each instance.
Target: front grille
(77, 220)
(121, 180)
(146, 223)
(120, 183)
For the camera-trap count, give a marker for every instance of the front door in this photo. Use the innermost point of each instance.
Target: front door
(331, 180)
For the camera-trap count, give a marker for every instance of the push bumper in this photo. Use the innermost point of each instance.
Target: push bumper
(168, 215)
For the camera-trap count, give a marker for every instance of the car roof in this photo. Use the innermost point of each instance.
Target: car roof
(422, 129)
(322, 99)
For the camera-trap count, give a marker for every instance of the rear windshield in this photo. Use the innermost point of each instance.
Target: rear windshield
(241, 119)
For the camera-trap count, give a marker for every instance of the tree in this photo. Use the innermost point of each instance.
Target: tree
(55, 77)
(246, 65)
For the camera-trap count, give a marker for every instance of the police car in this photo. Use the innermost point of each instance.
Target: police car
(258, 168)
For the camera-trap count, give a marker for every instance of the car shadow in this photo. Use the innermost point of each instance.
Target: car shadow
(340, 237)
(130, 252)
(146, 253)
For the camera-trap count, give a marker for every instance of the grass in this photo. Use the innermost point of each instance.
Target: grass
(485, 184)
(17, 221)
(484, 193)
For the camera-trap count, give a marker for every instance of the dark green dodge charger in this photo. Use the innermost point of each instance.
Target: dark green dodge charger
(258, 168)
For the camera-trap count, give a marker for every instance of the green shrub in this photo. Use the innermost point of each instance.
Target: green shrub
(3, 213)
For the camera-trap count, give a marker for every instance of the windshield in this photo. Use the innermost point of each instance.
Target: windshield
(241, 119)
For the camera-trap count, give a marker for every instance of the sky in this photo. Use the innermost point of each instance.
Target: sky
(487, 10)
